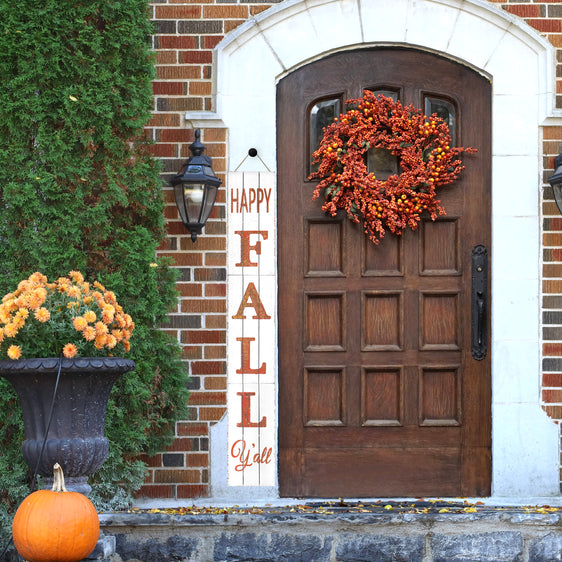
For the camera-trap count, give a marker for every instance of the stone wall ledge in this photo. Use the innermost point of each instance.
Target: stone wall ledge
(325, 534)
(514, 516)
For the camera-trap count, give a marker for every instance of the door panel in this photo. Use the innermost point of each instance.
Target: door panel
(379, 394)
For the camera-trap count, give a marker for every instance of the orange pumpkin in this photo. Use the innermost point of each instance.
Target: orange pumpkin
(55, 525)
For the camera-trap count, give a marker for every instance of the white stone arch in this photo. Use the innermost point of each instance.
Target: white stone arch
(251, 60)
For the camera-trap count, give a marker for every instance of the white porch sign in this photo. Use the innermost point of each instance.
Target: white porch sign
(252, 455)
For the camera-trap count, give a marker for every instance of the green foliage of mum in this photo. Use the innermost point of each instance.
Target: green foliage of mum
(79, 190)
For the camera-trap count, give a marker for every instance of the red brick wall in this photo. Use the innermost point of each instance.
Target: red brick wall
(551, 282)
(186, 33)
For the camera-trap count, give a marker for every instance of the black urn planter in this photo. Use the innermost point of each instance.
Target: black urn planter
(76, 437)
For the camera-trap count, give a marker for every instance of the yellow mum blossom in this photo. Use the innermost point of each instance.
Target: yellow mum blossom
(37, 298)
(100, 341)
(108, 315)
(14, 352)
(90, 316)
(42, 314)
(74, 292)
(117, 334)
(109, 296)
(98, 297)
(79, 323)
(101, 328)
(38, 278)
(24, 285)
(10, 330)
(76, 276)
(21, 302)
(69, 350)
(89, 333)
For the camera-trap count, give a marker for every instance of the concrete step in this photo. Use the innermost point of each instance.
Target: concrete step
(407, 531)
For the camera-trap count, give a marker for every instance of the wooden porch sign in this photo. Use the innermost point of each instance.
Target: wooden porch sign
(252, 455)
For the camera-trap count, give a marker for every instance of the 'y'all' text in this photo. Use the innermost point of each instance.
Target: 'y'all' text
(249, 456)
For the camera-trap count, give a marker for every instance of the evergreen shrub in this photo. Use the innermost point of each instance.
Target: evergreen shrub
(79, 190)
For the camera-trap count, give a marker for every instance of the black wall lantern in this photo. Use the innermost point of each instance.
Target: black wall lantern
(195, 189)
(556, 181)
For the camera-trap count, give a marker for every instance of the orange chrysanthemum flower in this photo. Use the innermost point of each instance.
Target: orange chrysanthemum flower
(74, 292)
(79, 323)
(89, 333)
(23, 285)
(76, 276)
(108, 315)
(101, 328)
(117, 334)
(42, 314)
(10, 330)
(69, 350)
(38, 278)
(109, 296)
(90, 316)
(22, 301)
(14, 352)
(100, 341)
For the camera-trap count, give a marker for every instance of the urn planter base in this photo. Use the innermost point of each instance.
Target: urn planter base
(76, 438)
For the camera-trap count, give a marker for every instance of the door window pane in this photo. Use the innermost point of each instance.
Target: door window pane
(322, 114)
(392, 94)
(444, 109)
(382, 163)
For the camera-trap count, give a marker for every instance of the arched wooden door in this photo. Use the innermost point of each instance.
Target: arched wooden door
(379, 391)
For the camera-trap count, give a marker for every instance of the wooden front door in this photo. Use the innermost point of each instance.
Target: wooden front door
(379, 391)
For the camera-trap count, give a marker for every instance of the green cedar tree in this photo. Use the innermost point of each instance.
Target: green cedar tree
(79, 190)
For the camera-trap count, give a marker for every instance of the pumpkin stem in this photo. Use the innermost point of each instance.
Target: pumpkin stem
(58, 479)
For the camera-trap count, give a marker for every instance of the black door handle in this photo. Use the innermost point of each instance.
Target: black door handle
(479, 324)
(481, 312)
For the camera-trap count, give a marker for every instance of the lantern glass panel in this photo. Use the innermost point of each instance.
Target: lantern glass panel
(210, 197)
(193, 194)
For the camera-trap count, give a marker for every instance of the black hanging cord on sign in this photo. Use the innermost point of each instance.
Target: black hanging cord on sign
(34, 478)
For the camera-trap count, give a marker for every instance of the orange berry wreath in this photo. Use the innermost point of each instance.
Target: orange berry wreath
(426, 161)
